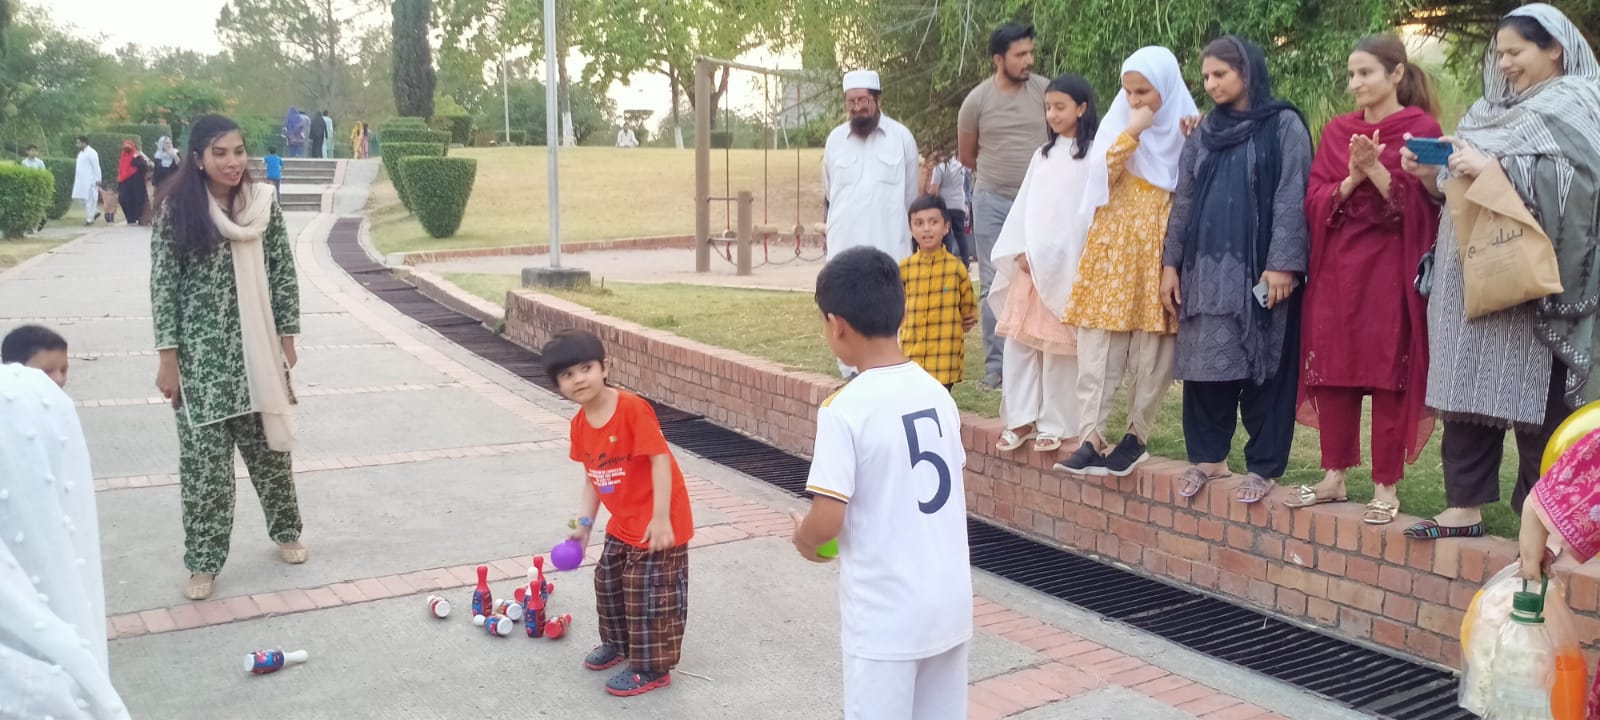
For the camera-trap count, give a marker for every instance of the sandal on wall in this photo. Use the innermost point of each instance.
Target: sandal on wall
(1046, 442)
(1194, 479)
(1380, 512)
(1252, 490)
(1010, 440)
(1306, 496)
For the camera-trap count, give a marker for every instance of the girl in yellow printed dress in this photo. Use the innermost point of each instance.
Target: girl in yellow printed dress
(1116, 301)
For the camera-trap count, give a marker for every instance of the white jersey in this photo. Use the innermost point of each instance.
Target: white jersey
(889, 445)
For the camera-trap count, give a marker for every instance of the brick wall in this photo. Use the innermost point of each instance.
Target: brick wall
(423, 257)
(1319, 565)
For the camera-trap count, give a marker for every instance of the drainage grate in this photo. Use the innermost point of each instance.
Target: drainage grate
(1370, 681)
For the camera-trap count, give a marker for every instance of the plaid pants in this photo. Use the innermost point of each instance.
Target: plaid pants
(643, 601)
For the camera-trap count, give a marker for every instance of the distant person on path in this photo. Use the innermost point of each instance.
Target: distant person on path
(327, 143)
(869, 177)
(905, 588)
(33, 161)
(52, 596)
(227, 308)
(274, 165)
(86, 182)
(319, 133)
(294, 132)
(166, 161)
(108, 201)
(940, 305)
(37, 347)
(641, 580)
(1000, 125)
(626, 138)
(949, 182)
(133, 183)
(358, 140)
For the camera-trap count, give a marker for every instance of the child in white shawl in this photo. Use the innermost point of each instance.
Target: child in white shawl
(1036, 262)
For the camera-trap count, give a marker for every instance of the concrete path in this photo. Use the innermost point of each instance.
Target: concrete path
(419, 462)
(656, 266)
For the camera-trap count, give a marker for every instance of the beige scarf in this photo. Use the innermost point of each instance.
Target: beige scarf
(265, 368)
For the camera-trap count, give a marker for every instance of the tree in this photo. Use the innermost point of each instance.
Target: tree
(300, 39)
(414, 79)
(176, 103)
(50, 81)
(592, 111)
(1467, 23)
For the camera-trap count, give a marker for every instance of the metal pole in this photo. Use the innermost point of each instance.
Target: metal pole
(505, 92)
(552, 131)
(702, 165)
(747, 203)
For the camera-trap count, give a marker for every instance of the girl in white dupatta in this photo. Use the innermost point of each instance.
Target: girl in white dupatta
(52, 600)
(1036, 262)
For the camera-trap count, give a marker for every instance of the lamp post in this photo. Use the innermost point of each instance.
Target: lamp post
(555, 275)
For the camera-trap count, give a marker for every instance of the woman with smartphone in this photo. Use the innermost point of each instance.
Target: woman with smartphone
(1527, 367)
(1236, 249)
(1365, 323)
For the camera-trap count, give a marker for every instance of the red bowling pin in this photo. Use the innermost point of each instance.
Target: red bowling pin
(557, 627)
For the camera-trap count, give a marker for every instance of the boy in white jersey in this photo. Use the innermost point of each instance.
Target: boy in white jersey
(886, 481)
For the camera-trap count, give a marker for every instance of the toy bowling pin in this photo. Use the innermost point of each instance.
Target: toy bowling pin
(498, 625)
(262, 662)
(557, 627)
(509, 609)
(438, 606)
(533, 605)
(482, 600)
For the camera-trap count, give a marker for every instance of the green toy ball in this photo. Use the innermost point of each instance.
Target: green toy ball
(829, 549)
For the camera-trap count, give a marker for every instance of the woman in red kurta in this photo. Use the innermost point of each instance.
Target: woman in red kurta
(1365, 322)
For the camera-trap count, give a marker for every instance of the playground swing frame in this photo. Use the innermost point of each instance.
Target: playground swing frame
(705, 69)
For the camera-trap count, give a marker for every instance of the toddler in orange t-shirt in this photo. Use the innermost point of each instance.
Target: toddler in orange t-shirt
(642, 578)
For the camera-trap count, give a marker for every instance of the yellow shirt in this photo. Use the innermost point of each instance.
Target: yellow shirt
(939, 298)
(1119, 277)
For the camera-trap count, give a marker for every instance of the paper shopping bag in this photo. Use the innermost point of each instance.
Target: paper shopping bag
(1506, 258)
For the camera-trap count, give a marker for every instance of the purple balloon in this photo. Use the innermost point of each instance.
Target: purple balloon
(567, 555)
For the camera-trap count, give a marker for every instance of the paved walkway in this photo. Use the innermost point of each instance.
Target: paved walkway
(419, 462)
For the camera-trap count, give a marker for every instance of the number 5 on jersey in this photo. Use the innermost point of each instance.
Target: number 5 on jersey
(919, 456)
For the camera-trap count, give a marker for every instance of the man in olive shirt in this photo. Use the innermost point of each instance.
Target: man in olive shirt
(1000, 125)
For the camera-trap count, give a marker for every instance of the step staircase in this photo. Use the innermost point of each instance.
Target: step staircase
(300, 174)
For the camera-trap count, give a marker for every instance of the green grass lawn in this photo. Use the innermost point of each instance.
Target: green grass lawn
(606, 193)
(783, 327)
(13, 252)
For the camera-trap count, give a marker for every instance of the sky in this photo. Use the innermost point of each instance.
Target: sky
(191, 25)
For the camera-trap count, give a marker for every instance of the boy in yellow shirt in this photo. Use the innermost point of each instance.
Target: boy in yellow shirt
(940, 304)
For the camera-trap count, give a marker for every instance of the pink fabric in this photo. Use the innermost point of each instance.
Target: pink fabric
(1570, 496)
(1027, 320)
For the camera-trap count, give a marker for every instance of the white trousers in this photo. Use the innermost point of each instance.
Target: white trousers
(1041, 390)
(91, 208)
(1103, 359)
(932, 688)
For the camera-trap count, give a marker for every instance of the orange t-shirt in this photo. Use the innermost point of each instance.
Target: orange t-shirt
(616, 458)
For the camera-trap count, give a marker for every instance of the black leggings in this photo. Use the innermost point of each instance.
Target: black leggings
(1472, 453)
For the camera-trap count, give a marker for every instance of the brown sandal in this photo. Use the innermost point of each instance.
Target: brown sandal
(1195, 479)
(1253, 483)
(199, 587)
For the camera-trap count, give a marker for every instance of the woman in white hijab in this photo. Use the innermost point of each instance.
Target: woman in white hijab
(1116, 305)
(1035, 263)
(52, 601)
(167, 161)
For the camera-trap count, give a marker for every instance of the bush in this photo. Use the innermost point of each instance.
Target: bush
(394, 152)
(259, 134)
(26, 196)
(109, 146)
(148, 134)
(439, 189)
(64, 172)
(407, 135)
(519, 137)
(458, 126)
(66, 145)
(404, 123)
(721, 140)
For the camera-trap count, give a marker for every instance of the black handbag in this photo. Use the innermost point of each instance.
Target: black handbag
(1424, 280)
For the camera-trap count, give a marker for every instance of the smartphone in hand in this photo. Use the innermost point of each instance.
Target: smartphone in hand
(1260, 291)
(1430, 151)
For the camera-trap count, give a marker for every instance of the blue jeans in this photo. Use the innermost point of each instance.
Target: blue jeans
(989, 210)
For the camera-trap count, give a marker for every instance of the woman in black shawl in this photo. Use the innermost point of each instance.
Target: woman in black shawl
(1236, 250)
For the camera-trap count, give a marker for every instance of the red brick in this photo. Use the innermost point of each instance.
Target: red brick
(1242, 711)
(1583, 591)
(1315, 585)
(1394, 579)
(270, 604)
(1162, 684)
(1041, 642)
(185, 616)
(348, 593)
(1291, 602)
(1419, 552)
(1446, 558)
(1210, 530)
(1141, 673)
(1233, 584)
(1394, 550)
(1304, 524)
(1439, 619)
(1355, 622)
(1162, 516)
(1210, 703)
(213, 612)
(1138, 511)
(1269, 545)
(1299, 553)
(1461, 594)
(1401, 608)
(1354, 594)
(1073, 650)
(157, 621)
(1424, 644)
(1063, 679)
(1187, 524)
(1241, 537)
(1331, 562)
(1388, 633)
(1326, 526)
(1007, 627)
(1472, 563)
(426, 581)
(1263, 593)
(1204, 575)
(1322, 611)
(1179, 569)
(1184, 547)
(297, 600)
(1182, 694)
(1240, 563)
(1022, 691)
(1362, 570)
(129, 625)
(242, 608)
(1428, 587)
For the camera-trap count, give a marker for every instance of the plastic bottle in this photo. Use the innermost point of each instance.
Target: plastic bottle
(1524, 666)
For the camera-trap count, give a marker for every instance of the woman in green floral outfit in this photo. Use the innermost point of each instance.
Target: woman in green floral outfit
(227, 308)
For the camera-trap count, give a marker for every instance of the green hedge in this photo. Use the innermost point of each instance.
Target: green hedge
(458, 126)
(109, 146)
(393, 153)
(408, 135)
(404, 123)
(25, 199)
(439, 189)
(64, 172)
(148, 134)
(519, 137)
(66, 145)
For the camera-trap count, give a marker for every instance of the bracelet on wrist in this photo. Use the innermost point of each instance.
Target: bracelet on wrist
(584, 522)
